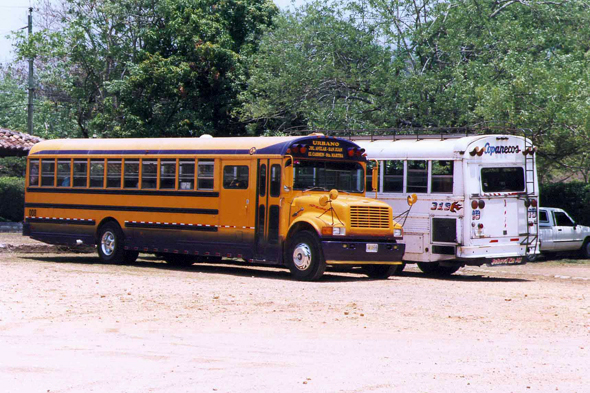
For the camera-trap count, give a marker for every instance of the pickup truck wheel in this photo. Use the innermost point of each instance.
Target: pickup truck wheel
(532, 257)
(435, 269)
(585, 250)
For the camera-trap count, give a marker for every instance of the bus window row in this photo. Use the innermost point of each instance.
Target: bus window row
(413, 176)
(147, 173)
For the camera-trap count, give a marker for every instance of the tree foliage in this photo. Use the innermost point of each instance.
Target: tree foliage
(147, 67)
(318, 69)
(513, 63)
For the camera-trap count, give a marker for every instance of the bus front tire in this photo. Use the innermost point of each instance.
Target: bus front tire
(304, 257)
(379, 272)
(435, 269)
(110, 243)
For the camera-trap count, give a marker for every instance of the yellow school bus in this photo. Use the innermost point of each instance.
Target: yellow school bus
(293, 201)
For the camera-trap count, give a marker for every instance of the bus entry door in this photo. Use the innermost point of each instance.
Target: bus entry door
(268, 204)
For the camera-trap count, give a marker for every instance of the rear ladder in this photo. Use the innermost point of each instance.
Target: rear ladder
(531, 240)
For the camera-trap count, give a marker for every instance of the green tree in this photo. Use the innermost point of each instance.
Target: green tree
(146, 67)
(317, 68)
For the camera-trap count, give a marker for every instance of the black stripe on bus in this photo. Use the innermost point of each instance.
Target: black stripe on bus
(123, 208)
(185, 227)
(117, 191)
(60, 221)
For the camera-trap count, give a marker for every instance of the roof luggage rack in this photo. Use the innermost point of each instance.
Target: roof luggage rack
(417, 133)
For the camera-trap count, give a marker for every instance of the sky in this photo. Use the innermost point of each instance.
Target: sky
(14, 16)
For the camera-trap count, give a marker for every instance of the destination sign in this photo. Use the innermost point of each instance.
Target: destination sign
(325, 148)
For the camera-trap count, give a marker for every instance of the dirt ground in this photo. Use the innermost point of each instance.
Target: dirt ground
(69, 323)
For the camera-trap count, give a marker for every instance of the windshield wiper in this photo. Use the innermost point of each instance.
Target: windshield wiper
(316, 188)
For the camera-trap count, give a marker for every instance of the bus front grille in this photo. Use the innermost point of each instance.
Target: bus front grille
(370, 217)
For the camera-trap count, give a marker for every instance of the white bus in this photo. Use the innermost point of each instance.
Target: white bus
(477, 197)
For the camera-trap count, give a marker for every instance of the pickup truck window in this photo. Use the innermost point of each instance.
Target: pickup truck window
(562, 220)
(502, 179)
(543, 216)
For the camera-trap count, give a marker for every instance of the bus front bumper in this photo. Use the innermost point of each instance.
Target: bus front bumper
(362, 253)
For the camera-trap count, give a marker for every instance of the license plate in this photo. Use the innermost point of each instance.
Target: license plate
(372, 247)
(505, 261)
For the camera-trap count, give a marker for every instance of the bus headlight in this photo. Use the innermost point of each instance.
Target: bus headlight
(333, 231)
(338, 231)
(398, 232)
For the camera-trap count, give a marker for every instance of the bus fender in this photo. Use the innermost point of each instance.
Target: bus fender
(303, 224)
(104, 221)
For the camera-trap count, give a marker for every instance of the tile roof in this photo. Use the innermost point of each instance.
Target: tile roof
(16, 143)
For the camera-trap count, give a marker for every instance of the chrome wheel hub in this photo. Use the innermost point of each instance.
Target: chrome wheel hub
(107, 243)
(302, 256)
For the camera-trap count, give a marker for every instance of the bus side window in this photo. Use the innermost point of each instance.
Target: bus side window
(113, 173)
(417, 176)
(64, 173)
(186, 175)
(33, 173)
(149, 174)
(131, 174)
(235, 177)
(80, 173)
(96, 173)
(442, 177)
(205, 174)
(275, 180)
(393, 176)
(262, 185)
(47, 173)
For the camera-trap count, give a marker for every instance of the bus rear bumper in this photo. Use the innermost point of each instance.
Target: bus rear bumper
(500, 255)
(362, 253)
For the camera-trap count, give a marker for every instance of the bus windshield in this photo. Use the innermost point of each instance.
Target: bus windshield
(327, 175)
(502, 179)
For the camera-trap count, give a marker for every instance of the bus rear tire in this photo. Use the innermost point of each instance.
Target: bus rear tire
(435, 269)
(379, 272)
(304, 257)
(399, 269)
(130, 256)
(110, 243)
(179, 260)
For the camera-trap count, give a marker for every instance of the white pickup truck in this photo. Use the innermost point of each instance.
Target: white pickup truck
(559, 233)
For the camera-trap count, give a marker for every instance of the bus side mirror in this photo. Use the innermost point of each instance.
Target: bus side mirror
(375, 178)
(289, 175)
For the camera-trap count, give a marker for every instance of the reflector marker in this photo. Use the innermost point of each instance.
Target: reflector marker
(60, 220)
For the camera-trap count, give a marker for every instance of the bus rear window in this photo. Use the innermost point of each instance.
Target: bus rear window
(502, 179)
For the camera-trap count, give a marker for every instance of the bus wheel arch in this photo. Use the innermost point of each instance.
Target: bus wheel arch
(103, 222)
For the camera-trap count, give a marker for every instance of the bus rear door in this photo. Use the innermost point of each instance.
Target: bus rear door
(237, 208)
